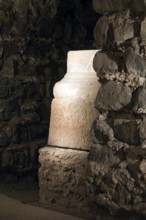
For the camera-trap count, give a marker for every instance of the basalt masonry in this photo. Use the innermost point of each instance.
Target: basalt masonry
(25, 73)
(117, 159)
(34, 39)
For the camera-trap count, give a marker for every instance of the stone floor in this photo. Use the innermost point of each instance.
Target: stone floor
(20, 201)
(12, 209)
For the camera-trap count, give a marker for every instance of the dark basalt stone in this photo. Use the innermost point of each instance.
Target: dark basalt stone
(104, 64)
(142, 132)
(114, 29)
(4, 87)
(117, 181)
(126, 131)
(139, 100)
(113, 96)
(101, 132)
(135, 63)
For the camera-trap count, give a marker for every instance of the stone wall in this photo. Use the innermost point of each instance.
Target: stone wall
(34, 39)
(117, 159)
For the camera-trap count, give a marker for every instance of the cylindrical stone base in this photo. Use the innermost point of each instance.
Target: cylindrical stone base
(71, 122)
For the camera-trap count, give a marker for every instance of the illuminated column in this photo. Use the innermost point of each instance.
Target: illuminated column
(62, 174)
(72, 111)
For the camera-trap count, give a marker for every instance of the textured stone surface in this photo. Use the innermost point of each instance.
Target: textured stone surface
(126, 131)
(116, 163)
(103, 65)
(107, 6)
(117, 182)
(101, 132)
(113, 96)
(123, 63)
(135, 63)
(139, 100)
(62, 177)
(69, 120)
(114, 28)
(142, 132)
(101, 31)
(143, 29)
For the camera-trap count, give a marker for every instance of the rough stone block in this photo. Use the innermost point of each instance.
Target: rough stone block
(101, 31)
(142, 132)
(38, 131)
(114, 28)
(4, 139)
(9, 110)
(44, 111)
(4, 87)
(123, 27)
(29, 106)
(62, 177)
(21, 134)
(139, 100)
(126, 131)
(33, 91)
(16, 89)
(135, 63)
(101, 132)
(104, 64)
(113, 96)
(143, 29)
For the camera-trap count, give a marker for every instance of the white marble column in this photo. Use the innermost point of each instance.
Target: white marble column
(72, 110)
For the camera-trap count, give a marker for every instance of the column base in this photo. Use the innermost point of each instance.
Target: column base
(62, 178)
